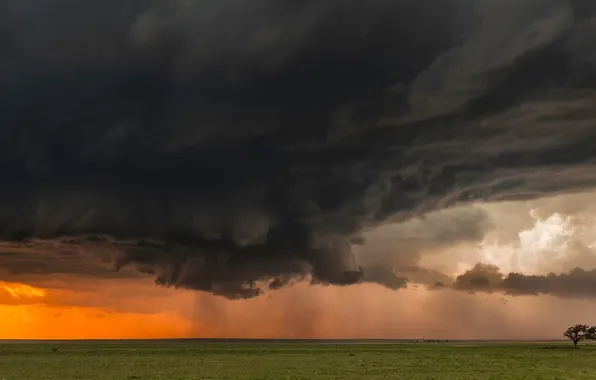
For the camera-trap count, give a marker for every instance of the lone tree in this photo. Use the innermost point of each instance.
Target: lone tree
(578, 333)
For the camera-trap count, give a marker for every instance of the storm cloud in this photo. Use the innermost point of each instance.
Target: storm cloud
(221, 145)
(577, 283)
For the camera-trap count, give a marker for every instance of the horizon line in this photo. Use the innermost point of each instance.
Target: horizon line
(289, 340)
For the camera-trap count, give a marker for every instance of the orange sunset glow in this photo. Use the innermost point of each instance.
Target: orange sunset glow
(36, 313)
(50, 322)
(302, 311)
(23, 291)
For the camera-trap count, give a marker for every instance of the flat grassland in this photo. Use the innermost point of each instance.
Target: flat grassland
(178, 360)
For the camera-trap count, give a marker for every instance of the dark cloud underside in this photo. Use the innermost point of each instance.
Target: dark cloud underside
(488, 278)
(225, 143)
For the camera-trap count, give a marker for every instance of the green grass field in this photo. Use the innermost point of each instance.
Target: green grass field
(306, 361)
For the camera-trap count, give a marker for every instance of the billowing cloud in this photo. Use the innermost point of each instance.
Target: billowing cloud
(221, 145)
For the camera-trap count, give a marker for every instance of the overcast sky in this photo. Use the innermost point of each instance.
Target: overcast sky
(412, 163)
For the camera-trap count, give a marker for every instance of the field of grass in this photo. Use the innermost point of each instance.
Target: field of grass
(305, 361)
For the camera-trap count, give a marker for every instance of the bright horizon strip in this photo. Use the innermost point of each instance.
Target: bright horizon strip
(17, 290)
(43, 322)
(30, 313)
(303, 311)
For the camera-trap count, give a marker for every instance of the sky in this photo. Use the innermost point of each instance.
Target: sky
(322, 169)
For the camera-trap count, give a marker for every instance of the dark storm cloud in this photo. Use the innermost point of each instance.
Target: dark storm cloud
(488, 278)
(226, 143)
(37, 258)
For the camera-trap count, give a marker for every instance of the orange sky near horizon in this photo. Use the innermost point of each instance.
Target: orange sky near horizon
(302, 311)
(29, 312)
(51, 322)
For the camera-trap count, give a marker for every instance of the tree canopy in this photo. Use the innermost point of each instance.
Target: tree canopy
(580, 332)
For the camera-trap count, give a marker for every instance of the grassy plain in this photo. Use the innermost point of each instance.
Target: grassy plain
(304, 361)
